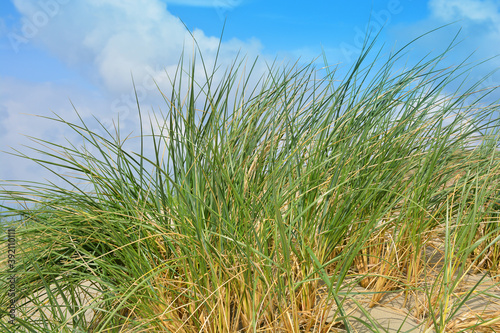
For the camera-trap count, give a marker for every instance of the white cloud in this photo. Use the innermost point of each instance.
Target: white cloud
(479, 19)
(19, 102)
(109, 39)
(476, 11)
(478, 25)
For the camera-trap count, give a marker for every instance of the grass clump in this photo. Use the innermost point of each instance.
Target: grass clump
(268, 207)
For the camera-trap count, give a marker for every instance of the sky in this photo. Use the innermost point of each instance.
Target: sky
(60, 55)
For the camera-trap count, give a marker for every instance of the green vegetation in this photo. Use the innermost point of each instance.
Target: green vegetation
(268, 207)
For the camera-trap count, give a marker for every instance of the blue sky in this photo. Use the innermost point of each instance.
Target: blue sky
(56, 51)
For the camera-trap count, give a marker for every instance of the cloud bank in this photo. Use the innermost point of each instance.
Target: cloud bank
(108, 39)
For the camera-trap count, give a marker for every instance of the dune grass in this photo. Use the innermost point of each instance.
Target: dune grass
(266, 207)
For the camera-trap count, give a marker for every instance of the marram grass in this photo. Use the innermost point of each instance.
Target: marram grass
(268, 207)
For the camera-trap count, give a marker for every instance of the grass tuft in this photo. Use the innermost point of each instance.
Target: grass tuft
(298, 204)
